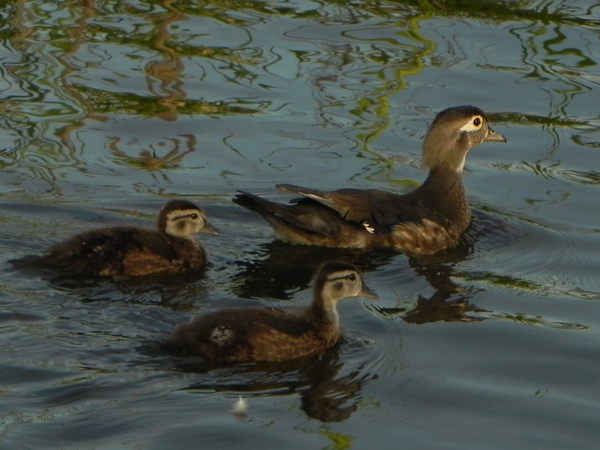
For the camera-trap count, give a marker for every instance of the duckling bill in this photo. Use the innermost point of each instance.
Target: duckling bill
(136, 251)
(427, 220)
(263, 334)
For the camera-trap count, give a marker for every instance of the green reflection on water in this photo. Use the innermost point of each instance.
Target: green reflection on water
(69, 65)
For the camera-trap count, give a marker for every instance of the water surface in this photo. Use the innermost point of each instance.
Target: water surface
(110, 109)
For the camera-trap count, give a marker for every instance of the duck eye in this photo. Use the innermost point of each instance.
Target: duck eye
(194, 216)
(474, 124)
(352, 277)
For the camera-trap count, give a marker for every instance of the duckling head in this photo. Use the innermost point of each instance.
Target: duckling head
(181, 218)
(337, 280)
(453, 133)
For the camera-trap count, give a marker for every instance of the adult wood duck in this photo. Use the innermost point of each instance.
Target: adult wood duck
(136, 251)
(424, 221)
(266, 334)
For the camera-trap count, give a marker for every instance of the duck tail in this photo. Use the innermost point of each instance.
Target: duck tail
(258, 204)
(289, 222)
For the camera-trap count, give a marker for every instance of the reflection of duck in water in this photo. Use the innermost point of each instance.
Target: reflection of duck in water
(449, 302)
(261, 334)
(136, 251)
(278, 269)
(424, 221)
(329, 389)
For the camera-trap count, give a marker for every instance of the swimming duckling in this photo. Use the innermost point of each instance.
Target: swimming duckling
(424, 221)
(263, 334)
(136, 251)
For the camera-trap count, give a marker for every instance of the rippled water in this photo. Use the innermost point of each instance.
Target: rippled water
(108, 109)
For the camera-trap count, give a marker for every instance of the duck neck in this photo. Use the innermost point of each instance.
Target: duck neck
(323, 314)
(445, 191)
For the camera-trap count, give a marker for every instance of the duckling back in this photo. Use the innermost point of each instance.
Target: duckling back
(250, 334)
(126, 251)
(135, 251)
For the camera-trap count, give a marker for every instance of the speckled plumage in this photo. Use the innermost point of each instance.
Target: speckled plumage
(266, 334)
(424, 221)
(135, 251)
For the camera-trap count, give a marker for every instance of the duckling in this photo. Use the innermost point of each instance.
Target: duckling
(134, 251)
(424, 221)
(263, 334)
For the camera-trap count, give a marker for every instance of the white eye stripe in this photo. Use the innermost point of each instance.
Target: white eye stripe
(475, 123)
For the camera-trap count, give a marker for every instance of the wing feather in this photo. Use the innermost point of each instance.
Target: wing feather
(375, 208)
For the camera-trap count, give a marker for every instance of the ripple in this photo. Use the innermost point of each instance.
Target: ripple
(329, 386)
(528, 255)
(528, 319)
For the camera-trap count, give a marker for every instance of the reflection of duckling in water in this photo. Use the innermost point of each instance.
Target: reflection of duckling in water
(137, 251)
(261, 334)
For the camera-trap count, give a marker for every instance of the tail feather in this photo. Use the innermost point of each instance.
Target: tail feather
(304, 191)
(285, 219)
(319, 196)
(259, 204)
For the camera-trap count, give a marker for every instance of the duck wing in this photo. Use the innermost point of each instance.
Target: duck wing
(377, 209)
(300, 216)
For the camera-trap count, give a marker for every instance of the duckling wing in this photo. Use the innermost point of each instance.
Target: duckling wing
(154, 243)
(251, 319)
(279, 336)
(95, 246)
(379, 209)
(243, 334)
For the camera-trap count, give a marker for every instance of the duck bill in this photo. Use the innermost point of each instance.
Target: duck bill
(494, 137)
(367, 292)
(209, 229)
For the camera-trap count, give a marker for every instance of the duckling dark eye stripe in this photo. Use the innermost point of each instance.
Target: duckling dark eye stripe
(182, 215)
(341, 277)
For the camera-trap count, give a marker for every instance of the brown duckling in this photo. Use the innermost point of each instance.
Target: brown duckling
(136, 251)
(424, 221)
(265, 334)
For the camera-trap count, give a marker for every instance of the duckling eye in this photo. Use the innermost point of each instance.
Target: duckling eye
(194, 216)
(352, 277)
(477, 121)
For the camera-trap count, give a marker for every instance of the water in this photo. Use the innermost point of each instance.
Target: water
(109, 109)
